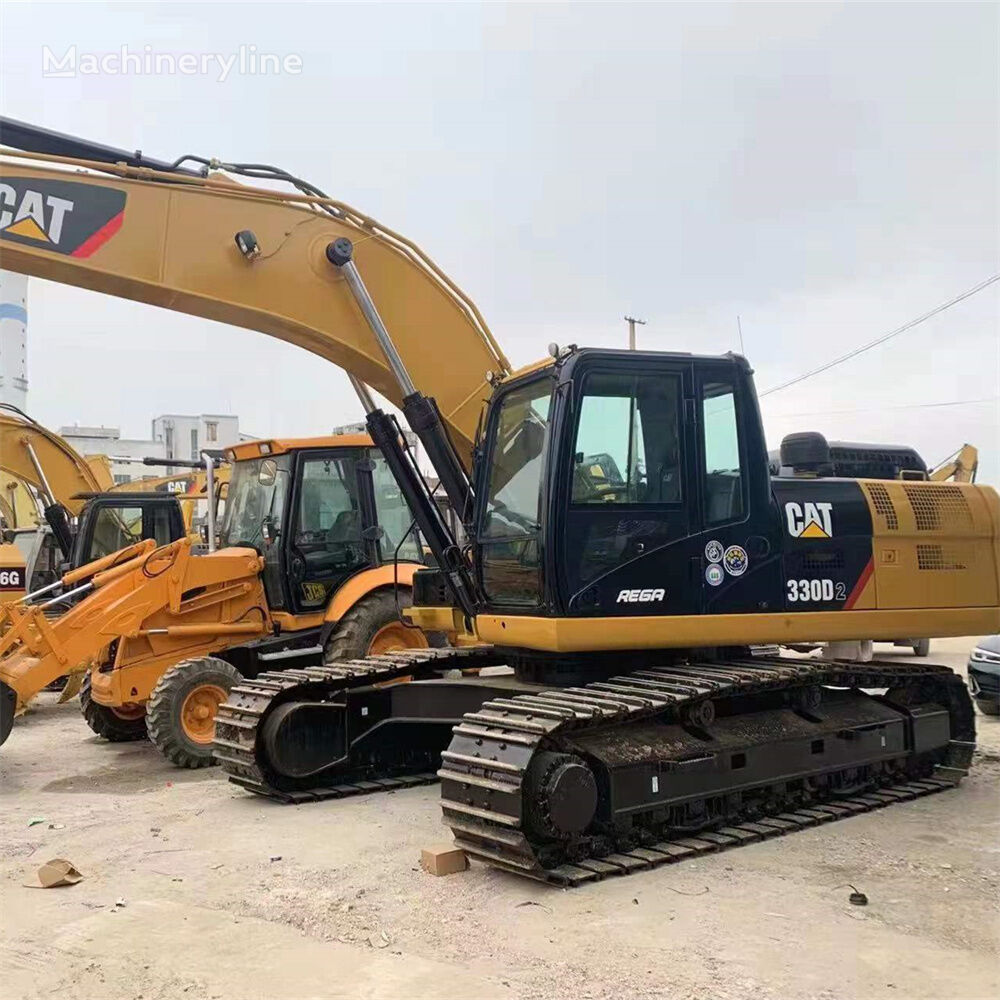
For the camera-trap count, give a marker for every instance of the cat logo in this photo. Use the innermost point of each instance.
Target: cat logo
(809, 520)
(66, 217)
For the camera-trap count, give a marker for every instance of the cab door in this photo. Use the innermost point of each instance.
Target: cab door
(627, 504)
(327, 541)
(736, 542)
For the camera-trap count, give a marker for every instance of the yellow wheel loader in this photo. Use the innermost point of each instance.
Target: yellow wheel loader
(317, 550)
(627, 548)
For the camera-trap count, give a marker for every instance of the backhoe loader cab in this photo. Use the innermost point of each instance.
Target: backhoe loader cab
(319, 513)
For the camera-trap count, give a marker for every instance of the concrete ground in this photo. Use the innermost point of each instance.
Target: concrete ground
(193, 887)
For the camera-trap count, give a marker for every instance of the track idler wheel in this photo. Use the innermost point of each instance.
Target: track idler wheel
(701, 714)
(561, 795)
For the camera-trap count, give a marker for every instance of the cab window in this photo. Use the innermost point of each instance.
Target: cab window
(257, 492)
(722, 469)
(508, 538)
(394, 516)
(628, 440)
(329, 514)
(115, 528)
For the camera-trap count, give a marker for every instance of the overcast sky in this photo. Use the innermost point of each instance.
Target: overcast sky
(827, 173)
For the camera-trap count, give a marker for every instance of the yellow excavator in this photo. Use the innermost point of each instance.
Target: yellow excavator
(627, 546)
(18, 507)
(959, 468)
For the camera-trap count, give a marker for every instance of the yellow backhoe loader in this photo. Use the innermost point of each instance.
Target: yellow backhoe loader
(317, 552)
(627, 546)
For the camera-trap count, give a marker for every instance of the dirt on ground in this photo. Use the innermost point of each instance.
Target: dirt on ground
(193, 887)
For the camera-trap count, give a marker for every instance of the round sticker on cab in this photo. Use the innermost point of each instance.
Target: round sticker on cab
(736, 560)
(714, 575)
(714, 551)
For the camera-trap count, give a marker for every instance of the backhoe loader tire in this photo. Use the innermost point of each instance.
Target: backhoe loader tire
(113, 726)
(8, 705)
(373, 626)
(180, 713)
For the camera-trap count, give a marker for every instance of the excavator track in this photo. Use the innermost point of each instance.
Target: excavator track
(237, 744)
(500, 777)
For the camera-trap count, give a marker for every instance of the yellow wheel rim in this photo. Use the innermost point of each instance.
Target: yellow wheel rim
(129, 711)
(396, 635)
(198, 712)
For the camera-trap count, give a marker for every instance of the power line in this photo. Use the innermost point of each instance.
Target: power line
(878, 409)
(887, 336)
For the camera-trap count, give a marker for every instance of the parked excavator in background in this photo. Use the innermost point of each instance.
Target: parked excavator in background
(38, 463)
(18, 507)
(626, 546)
(958, 468)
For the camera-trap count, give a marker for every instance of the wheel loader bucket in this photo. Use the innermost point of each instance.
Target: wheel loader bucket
(73, 684)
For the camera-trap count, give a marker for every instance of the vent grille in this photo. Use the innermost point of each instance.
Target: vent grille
(882, 503)
(937, 507)
(821, 561)
(940, 557)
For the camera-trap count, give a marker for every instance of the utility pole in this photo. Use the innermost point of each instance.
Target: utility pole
(631, 320)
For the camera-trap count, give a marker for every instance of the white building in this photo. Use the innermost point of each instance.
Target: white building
(186, 436)
(109, 441)
(14, 339)
(179, 436)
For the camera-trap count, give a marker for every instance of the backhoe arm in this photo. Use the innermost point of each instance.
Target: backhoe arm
(255, 258)
(149, 602)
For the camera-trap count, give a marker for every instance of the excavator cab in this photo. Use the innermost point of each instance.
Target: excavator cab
(605, 477)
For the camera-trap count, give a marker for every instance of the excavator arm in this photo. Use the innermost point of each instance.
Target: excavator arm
(960, 468)
(252, 257)
(44, 461)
